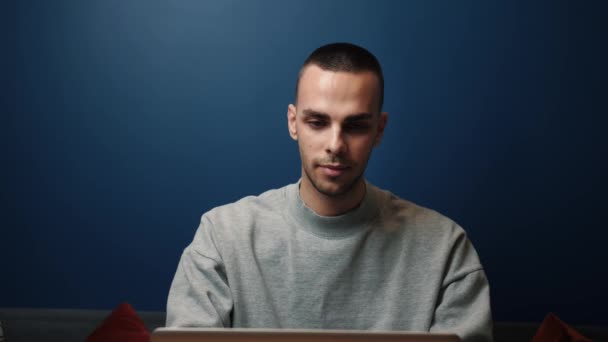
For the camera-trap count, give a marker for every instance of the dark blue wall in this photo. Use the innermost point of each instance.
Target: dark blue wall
(126, 120)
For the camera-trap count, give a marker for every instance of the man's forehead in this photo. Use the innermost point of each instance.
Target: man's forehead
(314, 72)
(319, 87)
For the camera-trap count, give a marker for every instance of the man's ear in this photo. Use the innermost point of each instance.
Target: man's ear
(291, 121)
(381, 125)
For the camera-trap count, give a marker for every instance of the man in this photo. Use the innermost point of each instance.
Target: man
(332, 251)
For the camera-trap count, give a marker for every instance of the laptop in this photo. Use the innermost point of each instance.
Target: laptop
(293, 335)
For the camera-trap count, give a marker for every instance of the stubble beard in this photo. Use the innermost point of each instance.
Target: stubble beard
(341, 191)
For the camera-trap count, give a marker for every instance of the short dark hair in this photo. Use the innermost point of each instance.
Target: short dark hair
(345, 57)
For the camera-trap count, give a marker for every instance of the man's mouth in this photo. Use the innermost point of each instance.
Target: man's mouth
(335, 166)
(334, 170)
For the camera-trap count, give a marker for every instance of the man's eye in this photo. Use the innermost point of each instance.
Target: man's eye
(357, 127)
(316, 124)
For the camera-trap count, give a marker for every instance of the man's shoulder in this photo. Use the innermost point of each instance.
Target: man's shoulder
(425, 230)
(413, 216)
(268, 201)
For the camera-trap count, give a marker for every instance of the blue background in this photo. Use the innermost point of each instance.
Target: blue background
(124, 121)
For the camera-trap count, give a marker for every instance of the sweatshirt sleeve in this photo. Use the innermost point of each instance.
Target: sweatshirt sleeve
(464, 300)
(464, 309)
(199, 294)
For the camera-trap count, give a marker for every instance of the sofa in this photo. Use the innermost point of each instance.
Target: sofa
(72, 325)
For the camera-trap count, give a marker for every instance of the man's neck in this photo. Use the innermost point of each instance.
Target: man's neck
(325, 205)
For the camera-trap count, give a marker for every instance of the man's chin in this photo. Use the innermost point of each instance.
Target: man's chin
(334, 188)
(331, 191)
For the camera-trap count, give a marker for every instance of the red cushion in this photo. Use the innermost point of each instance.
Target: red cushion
(552, 329)
(122, 325)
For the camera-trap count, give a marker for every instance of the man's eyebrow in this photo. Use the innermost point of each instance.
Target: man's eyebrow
(359, 117)
(316, 114)
(350, 118)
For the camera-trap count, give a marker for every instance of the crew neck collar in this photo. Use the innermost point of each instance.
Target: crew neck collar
(344, 225)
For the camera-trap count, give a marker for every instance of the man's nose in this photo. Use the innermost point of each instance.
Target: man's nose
(336, 144)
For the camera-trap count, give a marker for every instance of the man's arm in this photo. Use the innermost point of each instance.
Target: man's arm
(464, 308)
(199, 295)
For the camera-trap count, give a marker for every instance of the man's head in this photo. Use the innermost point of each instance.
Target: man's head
(345, 57)
(336, 119)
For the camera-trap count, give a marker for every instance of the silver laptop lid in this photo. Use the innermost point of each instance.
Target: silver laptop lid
(293, 335)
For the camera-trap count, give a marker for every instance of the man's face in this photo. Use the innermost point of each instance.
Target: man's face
(336, 122)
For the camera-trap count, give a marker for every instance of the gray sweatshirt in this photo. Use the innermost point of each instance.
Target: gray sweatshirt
(271, 262)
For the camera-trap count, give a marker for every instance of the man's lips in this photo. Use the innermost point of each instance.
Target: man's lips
(333, 170)
(335, 166)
